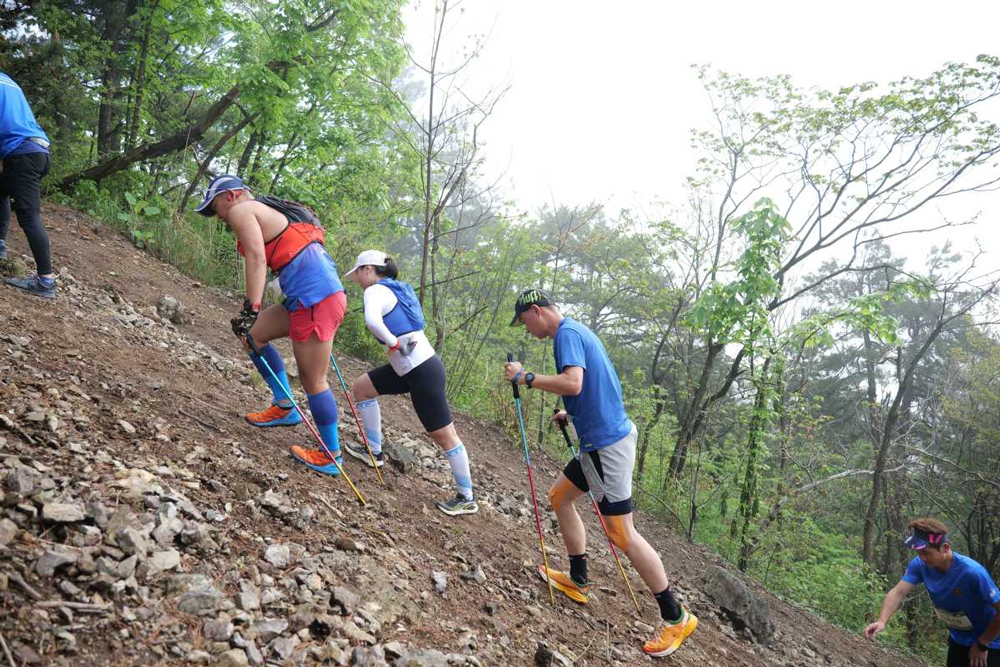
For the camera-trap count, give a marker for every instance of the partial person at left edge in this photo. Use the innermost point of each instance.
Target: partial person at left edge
(24, 149)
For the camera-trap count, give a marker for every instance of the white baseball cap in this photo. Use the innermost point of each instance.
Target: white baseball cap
(368, 258)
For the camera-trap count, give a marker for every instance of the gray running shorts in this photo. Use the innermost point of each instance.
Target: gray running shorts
(608, 473)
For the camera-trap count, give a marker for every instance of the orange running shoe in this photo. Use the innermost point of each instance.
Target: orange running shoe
(275, 416)
(562, 582)
(317, 460)
(670, 636)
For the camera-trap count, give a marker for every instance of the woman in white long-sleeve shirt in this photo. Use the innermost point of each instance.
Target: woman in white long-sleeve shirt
(393, 314)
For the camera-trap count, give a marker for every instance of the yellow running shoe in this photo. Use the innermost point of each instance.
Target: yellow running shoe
(562, 582)
(670, 636)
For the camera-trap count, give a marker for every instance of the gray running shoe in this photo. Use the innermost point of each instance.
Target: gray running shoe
(3, 252)
(360, 452)
(458, 505)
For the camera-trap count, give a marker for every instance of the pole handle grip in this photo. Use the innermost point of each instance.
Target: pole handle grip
(513, 383)
(562, 427)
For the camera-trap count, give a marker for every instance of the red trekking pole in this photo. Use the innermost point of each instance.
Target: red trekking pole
(531, 480)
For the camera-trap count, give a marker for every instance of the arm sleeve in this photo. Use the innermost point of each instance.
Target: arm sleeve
(379, 299)
(571, 352)
(914, 572)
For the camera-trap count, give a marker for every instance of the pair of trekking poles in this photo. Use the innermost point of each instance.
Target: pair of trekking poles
(534, 498)
(343, 385)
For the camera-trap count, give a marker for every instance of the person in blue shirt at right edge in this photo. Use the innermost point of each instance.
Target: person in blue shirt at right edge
(592, 394)
(24, 149)
(963, 593)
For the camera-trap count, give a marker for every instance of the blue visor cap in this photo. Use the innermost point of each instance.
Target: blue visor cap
(219, 184)
(920, 539)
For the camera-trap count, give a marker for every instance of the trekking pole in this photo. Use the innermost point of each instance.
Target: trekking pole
(597, 511)
(357, 420)
(531, 480)
(288, 394)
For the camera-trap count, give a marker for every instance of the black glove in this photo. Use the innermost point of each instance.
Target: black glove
(243, 322)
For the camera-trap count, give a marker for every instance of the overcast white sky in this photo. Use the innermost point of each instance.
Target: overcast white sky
(603, 96)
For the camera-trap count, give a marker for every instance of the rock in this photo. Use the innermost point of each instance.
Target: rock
(268, 629)
(368, 657)
(199, 601)
(127, 427)
(746, 609)
(198, 658)
(278, 555)
(394, 649)
(403, 458)
(183, 583)
(283, 647)
(545, 657)
(356, 634)
(348, 600)
(8, 531)
(131, 541)
(219, 630)
(233, 658)
(440, 580)
(248, 598)
(423, 658)
(63, 512)
(348, 544)
(171, 309)
(477, 575)
(161, 561)
(21, 480)
(55, 558)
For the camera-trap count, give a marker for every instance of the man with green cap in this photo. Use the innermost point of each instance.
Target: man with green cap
(592, 394)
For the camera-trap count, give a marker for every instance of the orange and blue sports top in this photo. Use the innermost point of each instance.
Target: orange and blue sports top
(303, 229)
(306, 272)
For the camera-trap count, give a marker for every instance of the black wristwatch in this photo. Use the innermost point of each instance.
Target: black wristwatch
(528, 379)
(982, 646)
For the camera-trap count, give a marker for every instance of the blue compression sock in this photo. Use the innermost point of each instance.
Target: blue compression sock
(324, 410)
(273, 358)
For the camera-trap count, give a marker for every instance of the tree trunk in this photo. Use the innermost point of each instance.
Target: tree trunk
(193, 132)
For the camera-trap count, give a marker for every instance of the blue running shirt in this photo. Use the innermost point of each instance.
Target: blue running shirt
(966, 589)
(598, 411)
(17, 123)
(309, 278)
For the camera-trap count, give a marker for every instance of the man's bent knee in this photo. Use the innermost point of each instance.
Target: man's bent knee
(561, 492)
(618, 531)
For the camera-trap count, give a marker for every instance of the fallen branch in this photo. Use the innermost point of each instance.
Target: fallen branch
(6, 650)
(9, 423)
(19, 580)
(79, 606)
(205, 424)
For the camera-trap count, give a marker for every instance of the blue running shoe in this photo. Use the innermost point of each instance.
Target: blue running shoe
(34, 285)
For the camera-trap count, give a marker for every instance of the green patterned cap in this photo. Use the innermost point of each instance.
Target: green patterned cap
(532, 297)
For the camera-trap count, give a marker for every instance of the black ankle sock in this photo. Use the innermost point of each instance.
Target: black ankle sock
(670, 608)
(578, 569)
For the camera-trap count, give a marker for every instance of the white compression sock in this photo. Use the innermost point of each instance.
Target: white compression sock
(459, 460)
(371, 417)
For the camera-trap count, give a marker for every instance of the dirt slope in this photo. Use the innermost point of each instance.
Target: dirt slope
(143, 522)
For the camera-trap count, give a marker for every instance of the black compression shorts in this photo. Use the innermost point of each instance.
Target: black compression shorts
(426, 386)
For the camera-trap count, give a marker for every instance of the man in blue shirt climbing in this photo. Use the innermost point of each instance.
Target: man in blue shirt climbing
(592, 394)
(964, 596)
(24, 150)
